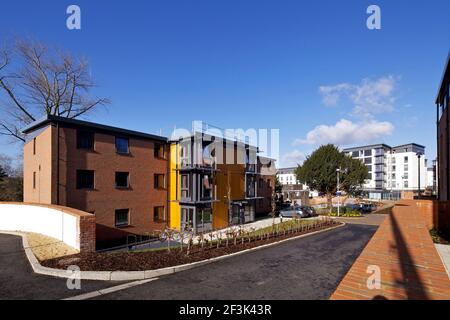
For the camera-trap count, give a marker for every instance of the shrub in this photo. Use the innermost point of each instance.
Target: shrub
(349, 214)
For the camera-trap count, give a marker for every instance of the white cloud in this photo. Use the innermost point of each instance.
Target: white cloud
(370, 97)
(292, 159)
(346, 132)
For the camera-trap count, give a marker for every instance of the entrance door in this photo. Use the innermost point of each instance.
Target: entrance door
(187, 218)
(203, 220)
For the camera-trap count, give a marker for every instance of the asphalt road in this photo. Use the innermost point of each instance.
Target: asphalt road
(309, 268)
(19, 282)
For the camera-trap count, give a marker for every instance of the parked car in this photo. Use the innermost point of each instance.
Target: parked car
(295, 212)
(367, 207)
(312, 212)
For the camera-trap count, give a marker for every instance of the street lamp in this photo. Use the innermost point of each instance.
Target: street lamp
(419, 155)
(339, 170)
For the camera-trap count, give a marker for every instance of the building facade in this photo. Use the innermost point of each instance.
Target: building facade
(443, 135)
(137, 184)
(115, 174)
(292, 189)
(217, 182)
(392, 169)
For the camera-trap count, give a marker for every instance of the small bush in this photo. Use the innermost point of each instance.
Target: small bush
(349, 214)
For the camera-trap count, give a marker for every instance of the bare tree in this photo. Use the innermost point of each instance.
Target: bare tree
(37, 80)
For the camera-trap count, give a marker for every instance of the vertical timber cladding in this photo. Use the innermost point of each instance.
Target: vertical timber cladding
(230, 181)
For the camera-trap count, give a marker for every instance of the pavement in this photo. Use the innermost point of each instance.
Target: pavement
(308, 268)
(444, 253)
(373, 219)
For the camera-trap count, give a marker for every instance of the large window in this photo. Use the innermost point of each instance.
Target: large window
(368, 160)
(122, 217)
(122, 180)
(206, 187)
(159, 181)
(85, 139)
(122, 145)
(355, 154)
(185, 194)
(367, 153)
(159, 151)
(85, 179)
(159, 214)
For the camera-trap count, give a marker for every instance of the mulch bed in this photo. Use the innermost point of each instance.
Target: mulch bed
(141, 261)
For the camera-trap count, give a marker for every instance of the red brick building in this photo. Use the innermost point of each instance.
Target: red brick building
(443, 135)
(118, 175)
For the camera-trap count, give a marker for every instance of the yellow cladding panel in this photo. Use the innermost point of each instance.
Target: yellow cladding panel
(230, 183)
(174, 181)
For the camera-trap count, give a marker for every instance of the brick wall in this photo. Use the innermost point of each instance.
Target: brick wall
(435, 213)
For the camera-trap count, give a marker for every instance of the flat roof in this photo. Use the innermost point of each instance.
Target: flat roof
(382, 145)
(444, 75)
(49, 119)
(372, 146)
(409, 144)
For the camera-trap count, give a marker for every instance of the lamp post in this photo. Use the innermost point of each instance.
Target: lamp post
(419, 155)
(339, 170)
(338, 192)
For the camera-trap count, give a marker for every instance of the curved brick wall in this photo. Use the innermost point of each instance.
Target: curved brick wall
(73, 227)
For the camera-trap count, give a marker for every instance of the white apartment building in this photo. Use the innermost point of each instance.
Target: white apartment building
(392, 169)
(287, 176)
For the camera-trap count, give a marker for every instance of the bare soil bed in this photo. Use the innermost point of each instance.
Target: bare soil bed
(151, 260)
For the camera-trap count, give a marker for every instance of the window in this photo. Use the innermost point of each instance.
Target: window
(159, 181)
(85, 179)
(367, 153)
(406, 159)
(85, 139)
(34, 146)
(368, 160)
(122, 145)
(184, 186)
(122, 180)
(159, 214)
(355, 154)
(159, 151)
(369, 176)
(122, 217)
(393, 176)
(405, 184)
(34, 180)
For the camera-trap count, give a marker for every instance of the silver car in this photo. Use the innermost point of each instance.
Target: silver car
(295, 212)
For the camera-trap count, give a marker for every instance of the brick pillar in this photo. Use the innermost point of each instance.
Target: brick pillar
(87, 234)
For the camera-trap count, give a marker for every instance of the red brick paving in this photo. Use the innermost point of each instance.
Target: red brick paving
(410, 265)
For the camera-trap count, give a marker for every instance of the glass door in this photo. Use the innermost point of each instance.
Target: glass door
(187, 218)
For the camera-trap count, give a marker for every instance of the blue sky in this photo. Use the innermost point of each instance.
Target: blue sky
(309, 68)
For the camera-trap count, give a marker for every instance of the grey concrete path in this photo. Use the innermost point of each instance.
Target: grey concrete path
(444, 253)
